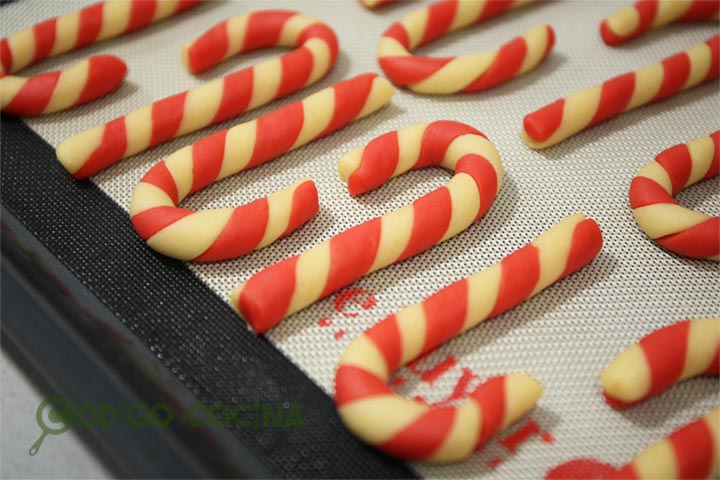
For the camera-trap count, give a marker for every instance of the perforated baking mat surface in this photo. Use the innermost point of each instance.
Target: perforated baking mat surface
(565, 335)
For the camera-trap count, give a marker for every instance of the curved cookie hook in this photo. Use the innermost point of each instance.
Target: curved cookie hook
(635, 20)
(227, 233)
(658, 361)
(673, 226)
(88, 152)
(410, 429)
(85, 81)
(292, 284)
(466, 73)
(567, 116)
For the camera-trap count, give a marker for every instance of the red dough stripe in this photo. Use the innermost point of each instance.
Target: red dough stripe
(34, 96)
(423, 437)
(386, 337)
(615, 97)
(241, 234)
(491, 397)
(91, 21)
(700, 241)
(445, 314)
(678, 164)
(442, 14)
(161, 177)
(208, 155)
(104, 74)
(695, 450)
(353, 383)
(520, 274)
(44, 36)
(352, 253)
(141, 14)
(280, 278)
(166, 118)
(151, 221)
(380, 158)
(665, 350)
(585, 245)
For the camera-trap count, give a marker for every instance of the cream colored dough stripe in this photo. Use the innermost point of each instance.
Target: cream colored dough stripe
(66, 32)
(116, 16)
(461, 440)
(395, 233)
(239, 146)
(383, 416)
(409, 143)
(663, 219)
(702, 152)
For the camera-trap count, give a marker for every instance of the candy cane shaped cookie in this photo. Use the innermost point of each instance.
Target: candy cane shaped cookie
(636, 20)
(658, 361)
(93, 150)
(84, 81)
(465, 73)
(673, 226)
(293, 284)
(583, 109)
(690, 452)
(227, 233)
(413, 430)
(667, 356)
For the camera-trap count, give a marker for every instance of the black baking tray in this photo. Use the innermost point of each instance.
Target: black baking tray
(104, 319)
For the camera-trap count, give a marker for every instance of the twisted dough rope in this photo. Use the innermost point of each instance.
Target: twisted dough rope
(292, 284)
(413, 430)
(651, 366)
(85, 81)
(582, 109)
(93, 150)
(465, 73)
(673, 226)
(636, 20)
(230, 232)
(691, 452)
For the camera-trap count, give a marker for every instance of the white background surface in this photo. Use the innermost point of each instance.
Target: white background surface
(565, 335)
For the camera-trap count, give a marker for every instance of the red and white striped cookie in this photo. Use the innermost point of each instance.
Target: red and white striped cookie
(661, 359)
(583, 109)
(93, 150)
(293, 284)
(658, 361)
(413, 430)
(679, 229)
(636, 20)
(230, 232)
(85, 81)
(691, 452)
(465, 73)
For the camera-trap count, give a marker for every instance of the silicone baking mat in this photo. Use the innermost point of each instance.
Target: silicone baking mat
(565, 335)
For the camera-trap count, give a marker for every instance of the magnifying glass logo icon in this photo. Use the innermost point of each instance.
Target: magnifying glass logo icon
(52, 418)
